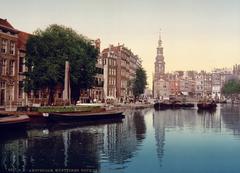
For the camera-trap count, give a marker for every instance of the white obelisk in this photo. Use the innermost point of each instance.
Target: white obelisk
(67, 90)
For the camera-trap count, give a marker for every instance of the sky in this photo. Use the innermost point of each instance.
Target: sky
(196, 34)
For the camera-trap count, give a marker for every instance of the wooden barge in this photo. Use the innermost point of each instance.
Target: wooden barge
(14, 121)
(85, 116)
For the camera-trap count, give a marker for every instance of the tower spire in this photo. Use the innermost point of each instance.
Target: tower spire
(160, 34)
(159, 61)
(160, 39)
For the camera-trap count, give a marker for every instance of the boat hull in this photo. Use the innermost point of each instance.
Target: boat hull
(207, 106)
(14, 121)
(164, 106)
(85, 116)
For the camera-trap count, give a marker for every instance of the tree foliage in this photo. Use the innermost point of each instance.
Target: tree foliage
(139, 82)
(231, 87)
(47, 51)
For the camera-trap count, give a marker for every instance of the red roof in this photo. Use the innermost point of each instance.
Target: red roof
(22, 40)
(5, 23)
(22, 36)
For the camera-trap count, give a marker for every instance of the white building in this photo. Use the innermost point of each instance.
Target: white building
(161, 89)
(219, 78)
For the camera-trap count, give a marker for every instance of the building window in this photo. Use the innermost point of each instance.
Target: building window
(21, 64)
(20, 89)
(3, 67)
(2, 92)
(4, 46)
(12, 48)
(12, 68)
(2, 84)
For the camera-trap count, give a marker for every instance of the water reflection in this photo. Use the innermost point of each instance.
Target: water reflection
(191, 120)
(122, 140)
(231, 117)
(58, 150)
(124, 146)
(74, 147)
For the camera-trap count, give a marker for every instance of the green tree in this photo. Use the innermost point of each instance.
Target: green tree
(139, 82)
(231, 87)
(47, 51)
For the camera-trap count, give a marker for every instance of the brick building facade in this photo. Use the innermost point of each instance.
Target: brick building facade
(8, 63)
(120, 66)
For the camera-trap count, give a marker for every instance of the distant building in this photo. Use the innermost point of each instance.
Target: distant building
(203, 84)
(219, 78)
(174, 83)
(236, 72)
(161, 88)
(190, 84)
(120, 65)
(208, 84)
(236, 69)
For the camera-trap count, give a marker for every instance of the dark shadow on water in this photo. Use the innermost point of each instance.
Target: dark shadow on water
(12, 134)
(204, 112)
(140, 125)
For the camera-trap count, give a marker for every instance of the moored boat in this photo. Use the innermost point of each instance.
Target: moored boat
(85, 116)
(206, 105)
(14, 121)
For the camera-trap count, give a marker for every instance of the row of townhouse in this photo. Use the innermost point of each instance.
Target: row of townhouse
(191, 83)
(195, 84)
(116, 67)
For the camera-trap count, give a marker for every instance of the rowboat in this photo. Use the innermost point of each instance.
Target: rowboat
(14, 121)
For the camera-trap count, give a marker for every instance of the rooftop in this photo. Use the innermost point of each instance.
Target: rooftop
(5, 25)
(22, 39)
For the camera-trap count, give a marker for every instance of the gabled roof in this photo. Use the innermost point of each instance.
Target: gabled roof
(5, 25)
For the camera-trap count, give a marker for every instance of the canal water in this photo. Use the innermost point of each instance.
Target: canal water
(171, 141)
